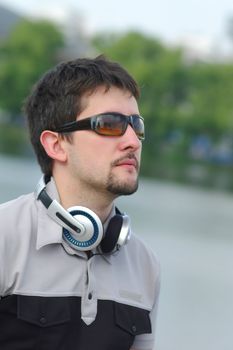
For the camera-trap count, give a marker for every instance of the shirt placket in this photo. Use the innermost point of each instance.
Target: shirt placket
(89, 298)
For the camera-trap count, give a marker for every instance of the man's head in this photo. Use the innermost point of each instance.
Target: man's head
(59, 97)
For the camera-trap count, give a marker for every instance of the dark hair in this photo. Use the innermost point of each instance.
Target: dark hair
(57, 97)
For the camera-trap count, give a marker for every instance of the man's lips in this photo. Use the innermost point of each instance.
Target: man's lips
(128, 162)
(132, 161)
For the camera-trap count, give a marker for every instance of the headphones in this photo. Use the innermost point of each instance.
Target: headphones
(82, 228)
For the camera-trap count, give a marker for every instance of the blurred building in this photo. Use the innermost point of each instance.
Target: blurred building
(77, 42)
(8, 19)
(200, 48)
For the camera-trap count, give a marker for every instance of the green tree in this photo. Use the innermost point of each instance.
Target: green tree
(210, 100)
(29, 51)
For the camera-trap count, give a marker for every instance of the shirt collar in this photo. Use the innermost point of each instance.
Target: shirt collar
(48, 231)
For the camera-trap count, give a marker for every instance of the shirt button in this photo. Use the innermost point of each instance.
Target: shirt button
(134, 328)
(43, 320)
(90, 296)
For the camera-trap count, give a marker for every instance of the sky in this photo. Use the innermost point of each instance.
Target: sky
(202, 22)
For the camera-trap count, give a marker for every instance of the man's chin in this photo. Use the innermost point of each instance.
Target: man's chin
(122, 189)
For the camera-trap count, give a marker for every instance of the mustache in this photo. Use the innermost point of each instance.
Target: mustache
(128, 156)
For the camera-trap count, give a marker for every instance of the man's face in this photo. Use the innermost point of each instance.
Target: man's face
(106, 164)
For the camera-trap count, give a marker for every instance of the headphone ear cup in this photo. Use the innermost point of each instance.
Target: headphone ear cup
(93, 232)
(110, 239)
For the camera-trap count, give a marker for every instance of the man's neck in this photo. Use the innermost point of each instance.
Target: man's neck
(101, 204)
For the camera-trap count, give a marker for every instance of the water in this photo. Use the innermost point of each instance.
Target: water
(191, 232)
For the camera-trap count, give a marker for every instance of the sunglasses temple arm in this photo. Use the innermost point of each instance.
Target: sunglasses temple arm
(84, 124)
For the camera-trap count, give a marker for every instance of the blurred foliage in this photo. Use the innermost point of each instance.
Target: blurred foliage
(13, 140)
(210, 99)
(29, 50)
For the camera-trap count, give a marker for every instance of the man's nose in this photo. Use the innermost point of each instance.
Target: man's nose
(130, 138)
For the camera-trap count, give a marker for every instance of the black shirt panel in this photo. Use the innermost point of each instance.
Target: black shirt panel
(54, 323)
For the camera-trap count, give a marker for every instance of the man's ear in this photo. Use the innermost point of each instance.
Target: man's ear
(53, 145)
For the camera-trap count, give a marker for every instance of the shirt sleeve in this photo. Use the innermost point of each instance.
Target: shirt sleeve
(2, 265)
(147, 341)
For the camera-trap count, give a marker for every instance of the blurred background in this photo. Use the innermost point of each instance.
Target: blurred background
(181, 53)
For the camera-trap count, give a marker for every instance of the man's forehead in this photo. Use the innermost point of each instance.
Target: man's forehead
(107, 99)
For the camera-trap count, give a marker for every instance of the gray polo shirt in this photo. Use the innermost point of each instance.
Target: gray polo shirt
(42, 282)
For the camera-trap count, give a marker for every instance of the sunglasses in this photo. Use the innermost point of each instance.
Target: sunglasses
(107, 124)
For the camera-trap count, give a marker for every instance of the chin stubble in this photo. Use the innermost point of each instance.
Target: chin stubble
(119, 188)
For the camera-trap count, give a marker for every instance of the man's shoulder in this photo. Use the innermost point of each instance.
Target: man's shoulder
(141, 247)
(17, 208)
(143, 256)
(18, 200)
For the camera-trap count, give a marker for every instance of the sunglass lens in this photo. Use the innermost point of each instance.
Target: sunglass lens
(116, 125)
(138, 126)
(110, 125)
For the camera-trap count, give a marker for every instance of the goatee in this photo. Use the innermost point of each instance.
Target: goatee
(121, 187)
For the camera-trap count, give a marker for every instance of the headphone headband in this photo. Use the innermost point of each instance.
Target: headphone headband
(56, 211)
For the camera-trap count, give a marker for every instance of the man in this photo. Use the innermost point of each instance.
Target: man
(68, 280)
